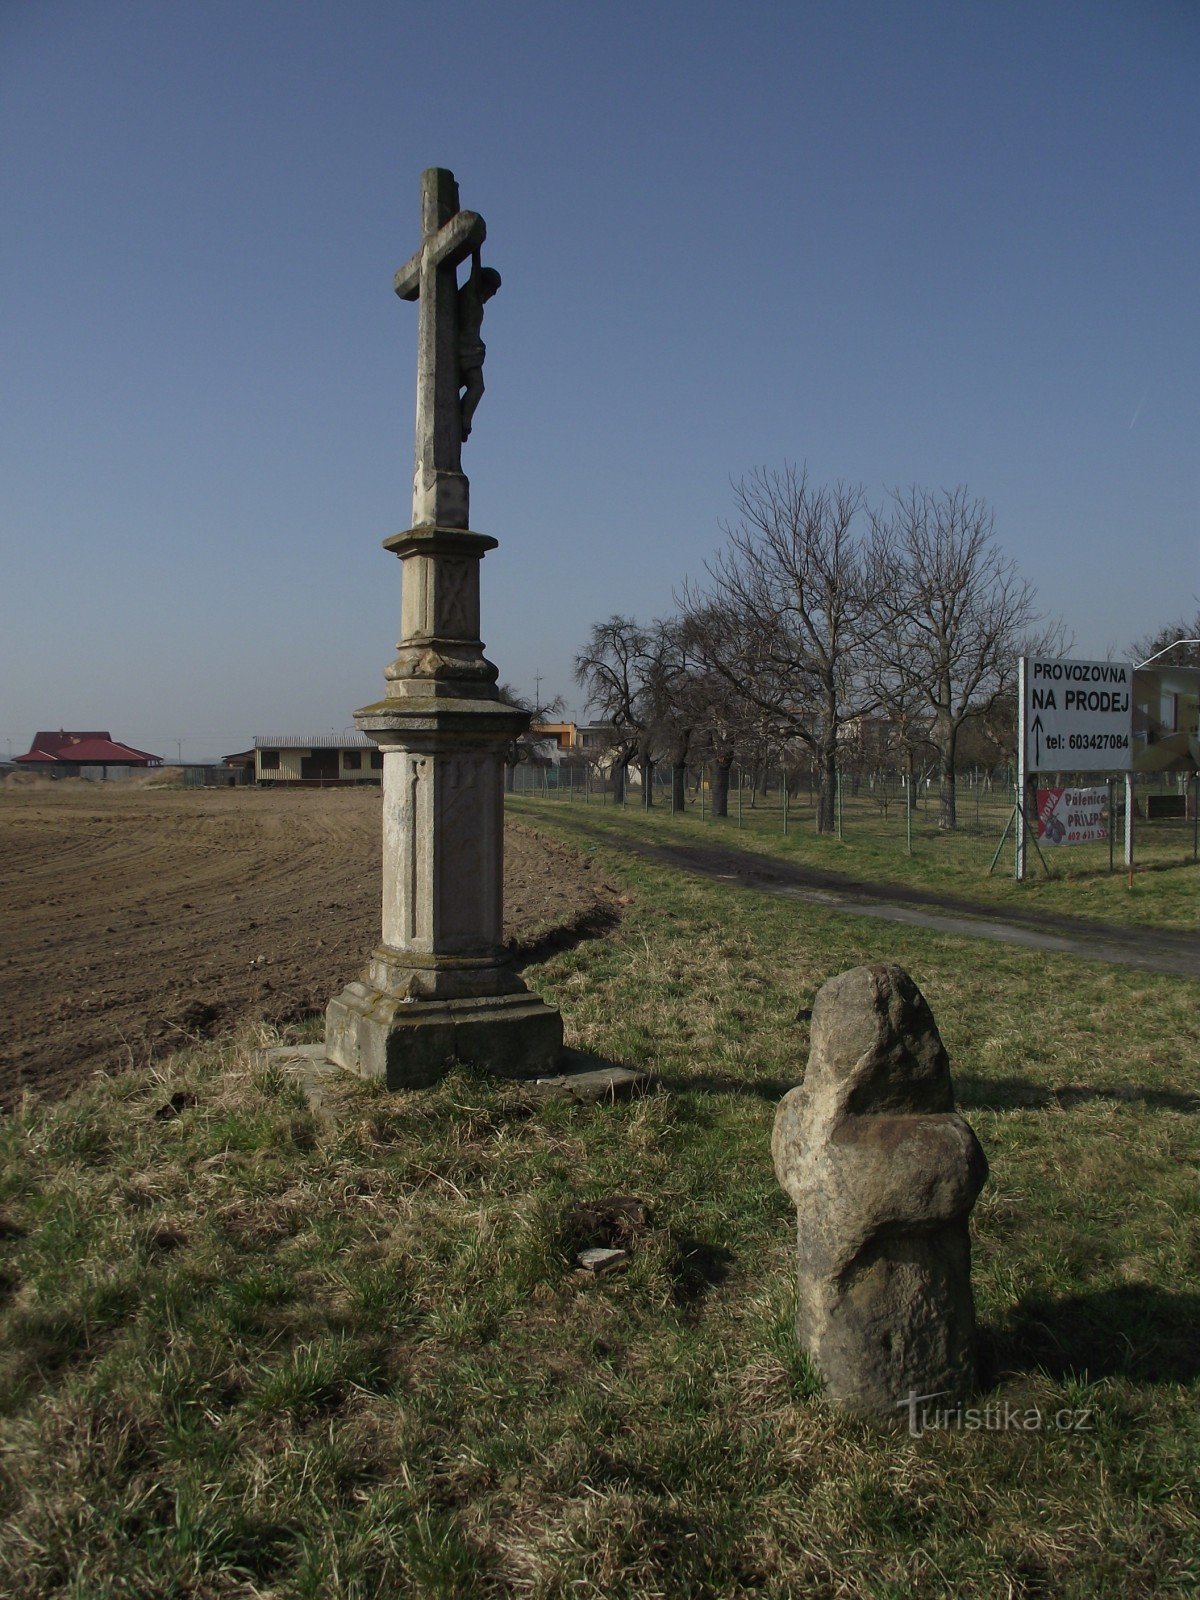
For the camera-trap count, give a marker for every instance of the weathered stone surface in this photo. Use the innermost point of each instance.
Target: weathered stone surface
(309, 1067)
(410, 1044)
(588, 1080)
(600, 1261)
(883, 1174)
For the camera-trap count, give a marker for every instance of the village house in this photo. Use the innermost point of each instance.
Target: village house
(317, 759)
(84, 755)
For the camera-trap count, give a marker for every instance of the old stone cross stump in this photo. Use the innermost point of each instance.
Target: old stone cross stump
(883, 1174)
(440, 985)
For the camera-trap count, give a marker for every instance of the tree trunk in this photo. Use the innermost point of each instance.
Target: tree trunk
(948, 819)
(679, 786)
(618, 781)
(647, 766)
(720, 787)
(510, 777)
(827, 790)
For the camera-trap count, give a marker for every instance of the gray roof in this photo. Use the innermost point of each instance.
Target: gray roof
(314, 741)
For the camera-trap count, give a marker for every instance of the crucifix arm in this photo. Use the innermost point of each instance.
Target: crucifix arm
(408, 280)
(452, 243)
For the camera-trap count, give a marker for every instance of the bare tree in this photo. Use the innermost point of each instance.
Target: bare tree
(611, 669)
(953, 616)
(784, 618)
(674, 702)
(1175, 645)
(726, 718)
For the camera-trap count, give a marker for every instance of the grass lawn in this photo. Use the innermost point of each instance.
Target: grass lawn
(249, 1353)
(1166, 884)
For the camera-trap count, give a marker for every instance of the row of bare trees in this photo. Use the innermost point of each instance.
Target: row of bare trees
(822, 615)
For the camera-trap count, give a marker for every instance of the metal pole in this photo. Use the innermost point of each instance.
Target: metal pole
(837, 790)
(1129, 826)
(1011, 819)
(908, 814)
(702, 791)
(1111, 820)
(1022, 770)
(740, 786)
(1196, 816)
(785, 804)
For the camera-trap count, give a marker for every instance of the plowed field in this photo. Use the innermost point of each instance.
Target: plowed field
(134, 920)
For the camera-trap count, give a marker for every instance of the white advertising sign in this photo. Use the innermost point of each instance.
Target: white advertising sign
(1072, 816)
(1077, 716)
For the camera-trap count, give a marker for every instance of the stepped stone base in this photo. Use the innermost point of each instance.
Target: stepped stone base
(410, 1044)
(582, 1078)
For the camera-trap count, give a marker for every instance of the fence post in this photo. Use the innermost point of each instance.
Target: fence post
(1129, 826)
(741, 784)
(785, 805)
(1112, 817)
(837, 790)
(1196, 816)
(908, 815)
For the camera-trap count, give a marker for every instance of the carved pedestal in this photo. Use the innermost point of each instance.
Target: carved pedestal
(439, 986)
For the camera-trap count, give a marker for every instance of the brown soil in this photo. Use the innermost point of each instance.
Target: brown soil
(135, 920)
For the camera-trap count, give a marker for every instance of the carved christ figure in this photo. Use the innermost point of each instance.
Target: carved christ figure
(450, 350)
(482, 283)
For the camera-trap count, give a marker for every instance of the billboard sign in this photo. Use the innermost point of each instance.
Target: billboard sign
(1076, 716)
(1071, 816)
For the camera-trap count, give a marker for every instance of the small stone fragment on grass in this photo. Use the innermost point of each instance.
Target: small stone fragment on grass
(600, 1261)
(588, 1081)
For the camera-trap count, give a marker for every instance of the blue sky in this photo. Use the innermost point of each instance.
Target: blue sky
(932, 243)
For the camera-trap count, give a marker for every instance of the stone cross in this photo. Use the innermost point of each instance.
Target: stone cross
(440, 985)
(449, 236)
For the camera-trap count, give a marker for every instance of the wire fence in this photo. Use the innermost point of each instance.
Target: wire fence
(878, 813)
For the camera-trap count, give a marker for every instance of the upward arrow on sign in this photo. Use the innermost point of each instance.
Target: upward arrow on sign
(1036, 728)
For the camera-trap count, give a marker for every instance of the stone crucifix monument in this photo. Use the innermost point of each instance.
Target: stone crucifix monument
(439, 985)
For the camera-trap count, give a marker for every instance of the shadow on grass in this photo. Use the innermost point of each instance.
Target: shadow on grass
(696, 1267)
(594, 924)
(1019, 1094)
(1134, 1331)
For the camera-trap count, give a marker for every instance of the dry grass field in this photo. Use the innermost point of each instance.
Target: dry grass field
(134, 920)
(248, 1352)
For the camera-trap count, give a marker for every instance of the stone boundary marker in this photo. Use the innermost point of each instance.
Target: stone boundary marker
(883, 1173)
(585, 1079)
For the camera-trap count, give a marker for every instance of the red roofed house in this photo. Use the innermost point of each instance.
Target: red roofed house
(84, 755)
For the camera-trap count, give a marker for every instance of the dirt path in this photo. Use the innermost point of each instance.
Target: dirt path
(134, 920)
(1154, 950)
